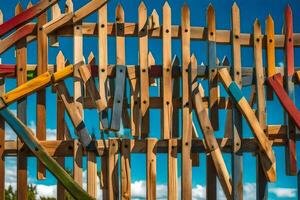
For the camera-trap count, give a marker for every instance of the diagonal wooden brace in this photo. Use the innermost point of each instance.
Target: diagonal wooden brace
(27, 136)
(267, 155)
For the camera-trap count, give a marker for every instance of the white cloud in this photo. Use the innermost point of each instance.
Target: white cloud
(280, 64)
(284, 192)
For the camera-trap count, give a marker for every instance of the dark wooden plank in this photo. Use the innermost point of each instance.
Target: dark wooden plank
(2, 146)
(125, 169)
(118, 98)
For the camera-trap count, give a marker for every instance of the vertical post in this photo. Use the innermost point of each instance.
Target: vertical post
(42, 54)
(21, 56)
(237, 134)
(291, 161)
(60, 64)
(212, 72)
(186, 182)
(2, 136)
(151, 168)
(270, 52)
(125, 170)
(176, 95)
(261, 185)
(113, 181)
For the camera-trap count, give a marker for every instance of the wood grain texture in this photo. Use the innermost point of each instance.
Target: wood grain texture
(266, 153)
(125, 169)
(261, 183)
(291, 161)
(167, 73)
(186, 182)
(172, 169)
(2, 143)
(176, 94)
(33, 144)
(212, 73)
(143, 61)
(151, 168)
(42, 56)
(270, 40)
(113, 180)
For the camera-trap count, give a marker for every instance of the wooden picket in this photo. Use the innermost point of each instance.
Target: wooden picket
(179, 84)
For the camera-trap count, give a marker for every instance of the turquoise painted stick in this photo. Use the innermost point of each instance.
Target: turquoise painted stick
(27, 136)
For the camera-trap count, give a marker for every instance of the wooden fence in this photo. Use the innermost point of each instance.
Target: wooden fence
(179, 87)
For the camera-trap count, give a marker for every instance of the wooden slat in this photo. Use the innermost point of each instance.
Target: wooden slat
(261, 180)
(167, 73)
(2, 144)
(22, 17)
(270, 52)
(21, 62)
(118, 98)
(172, 169)
(176, 94)
(102, 71)
(291, 158)
(151, 168)
(212, 73)
(55, 13)
(215, 160)
(266, 153)
(125, 170)
(143, 61)
(236, 131)
(186, 167)
(113, 181)
(60, 122)
(42, 46)
(33, 144)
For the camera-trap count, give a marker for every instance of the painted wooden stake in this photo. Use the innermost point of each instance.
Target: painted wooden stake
(291, 161)
(186, 167)
(213, 73)
(23, 17)
(167, 73)
(143, 60)
(113, 180)
(270, 52)
(21, 62)
(125, 170)
(215, 160)
(102, 70)
(42, 46)
(176, 94)
(40, 152)
(266, 153)
(261, 183)
(60, 121)
(118, 97)
(151, 168)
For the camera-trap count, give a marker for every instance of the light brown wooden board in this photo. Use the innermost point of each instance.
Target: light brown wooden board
(113, 181)
(125, 170)
(151, 168)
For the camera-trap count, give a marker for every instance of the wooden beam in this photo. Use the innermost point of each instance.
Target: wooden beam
(125, 169)
(151, 168)
(113, 180)
(186, 166)
(270, 52)
(266, 153)
(39, 151)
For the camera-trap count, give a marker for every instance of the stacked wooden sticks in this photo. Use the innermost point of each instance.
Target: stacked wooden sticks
(112, 93)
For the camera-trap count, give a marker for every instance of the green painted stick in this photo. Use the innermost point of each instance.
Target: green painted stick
(27, 136)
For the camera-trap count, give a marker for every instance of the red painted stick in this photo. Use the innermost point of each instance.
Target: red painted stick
(25, 16)
(285, 100)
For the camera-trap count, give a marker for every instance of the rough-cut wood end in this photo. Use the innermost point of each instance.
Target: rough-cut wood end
(119, 13)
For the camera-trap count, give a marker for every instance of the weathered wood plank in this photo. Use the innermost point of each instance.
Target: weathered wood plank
(261, 181)
(151, 168)
(270, 52)
(186, 167)
(172, 169)
(266, 153)
(118, 98)
(215, 158)
(143, 61)
(212, 72)
(2, 143)
(113, 180)
(39, 151)
(125, 169)
(291, 158)
(167, 73)
(176, 94)
(21, 62)
(42, 56)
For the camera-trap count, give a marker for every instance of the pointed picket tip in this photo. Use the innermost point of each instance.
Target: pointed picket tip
(18, 9)
(225, 61)
(194, 59)
(119, 13)
(270, 19)
(150, 56)
(29, 5)
(256, 23)
(154, 13)
(142, 5)
(166, 5)
(185, 11)
(91, 57)
(217, 61)
(185, 8)
(235, 6)
(288, 9)
(60, 55)
(269, 24)
(1, 17)
(175, 61)
(210, 10)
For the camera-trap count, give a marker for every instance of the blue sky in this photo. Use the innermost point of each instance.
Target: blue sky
(249, 11)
